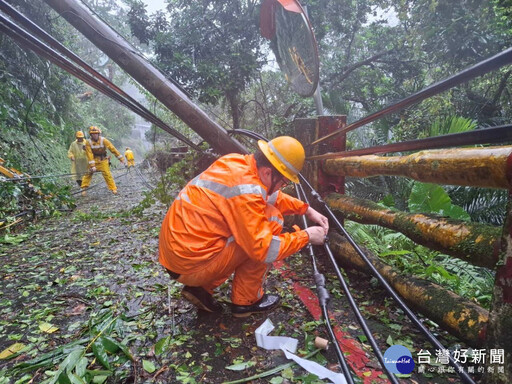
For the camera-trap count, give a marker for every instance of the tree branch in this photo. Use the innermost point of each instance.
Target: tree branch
(354, 66)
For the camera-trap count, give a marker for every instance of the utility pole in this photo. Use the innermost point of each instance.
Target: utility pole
(121, 52)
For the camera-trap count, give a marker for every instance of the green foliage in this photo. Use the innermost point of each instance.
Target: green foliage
(269, 106)
(432, 198)
(453, 124)
(212, 49)
(32, 199)
(174, 178)
(96, 214)
(469, 281)
(396, 249)
(379, 52)
(408, 257)
(483, 205)
(74, 361)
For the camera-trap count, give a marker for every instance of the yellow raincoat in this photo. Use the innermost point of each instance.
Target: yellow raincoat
(78, 157)
(97, 157)
(224, 222)
(129, 158)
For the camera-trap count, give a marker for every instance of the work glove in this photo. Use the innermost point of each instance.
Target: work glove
(72, 158)
(92, 169)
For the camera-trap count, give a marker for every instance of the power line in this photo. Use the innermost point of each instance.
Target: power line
(89, 76)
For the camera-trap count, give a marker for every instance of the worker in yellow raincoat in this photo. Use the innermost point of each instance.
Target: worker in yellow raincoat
(229, 220)
(96, 150)
(78, 157)
(130, 159)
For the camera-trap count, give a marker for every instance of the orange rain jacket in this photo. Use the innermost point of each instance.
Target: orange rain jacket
(226, 203)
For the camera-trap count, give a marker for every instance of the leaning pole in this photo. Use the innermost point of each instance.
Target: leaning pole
(121, 52)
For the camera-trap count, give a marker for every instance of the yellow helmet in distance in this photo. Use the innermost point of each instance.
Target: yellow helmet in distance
(79, 134)
(286, 154)
(94, 129)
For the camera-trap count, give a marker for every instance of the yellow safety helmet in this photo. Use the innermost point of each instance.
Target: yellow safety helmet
(79, 134)
(94, 129)
(286, 154)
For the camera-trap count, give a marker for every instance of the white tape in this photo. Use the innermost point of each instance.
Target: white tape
(289, 345)
(317, 369)
(273, 342)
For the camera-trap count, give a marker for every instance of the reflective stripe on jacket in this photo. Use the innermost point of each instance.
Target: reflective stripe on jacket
(99, 148)
(226, 203)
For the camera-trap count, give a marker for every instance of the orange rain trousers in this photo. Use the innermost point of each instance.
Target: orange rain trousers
(250, 275)
(103, 167)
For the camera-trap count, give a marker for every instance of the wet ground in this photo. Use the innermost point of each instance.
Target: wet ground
(93, 276)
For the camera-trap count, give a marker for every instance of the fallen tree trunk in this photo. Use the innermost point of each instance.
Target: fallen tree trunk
(458, 316)
(477, 167)
(476, 243)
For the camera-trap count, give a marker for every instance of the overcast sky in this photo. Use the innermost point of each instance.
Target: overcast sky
(154, 5)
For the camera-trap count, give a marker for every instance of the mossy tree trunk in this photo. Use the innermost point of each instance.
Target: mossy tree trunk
(460, 317)
(477, 167)
(475, 243)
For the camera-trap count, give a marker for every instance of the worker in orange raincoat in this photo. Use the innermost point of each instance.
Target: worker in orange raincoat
(96, 150)
(229, 220)
(78, 157)
(130, 159)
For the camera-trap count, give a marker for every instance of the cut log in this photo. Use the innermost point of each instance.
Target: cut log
(476, 243)
(477, 167)
(460, 317)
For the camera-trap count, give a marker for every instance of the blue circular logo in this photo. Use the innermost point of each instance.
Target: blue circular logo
(398, 359)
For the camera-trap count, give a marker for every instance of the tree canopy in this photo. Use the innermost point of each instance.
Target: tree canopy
(212, 48)
(372, 53)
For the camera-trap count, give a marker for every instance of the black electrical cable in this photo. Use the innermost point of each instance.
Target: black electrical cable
(479, 69)
(95, 185)
(103, 84)
(351, 300)
(323, 300)
(13, 179)
(147, 183)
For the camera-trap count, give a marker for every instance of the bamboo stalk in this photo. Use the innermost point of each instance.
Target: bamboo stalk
(477, 167)
(476, 243)
(460, 317)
